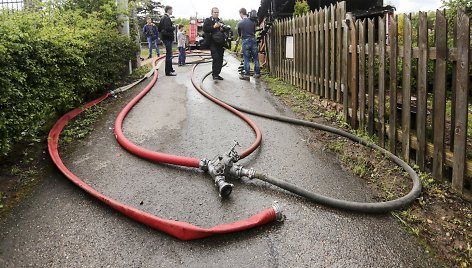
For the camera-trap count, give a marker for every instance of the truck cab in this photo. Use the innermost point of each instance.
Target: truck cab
(195, 35)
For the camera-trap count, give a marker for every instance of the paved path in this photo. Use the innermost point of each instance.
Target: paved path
(61, 226)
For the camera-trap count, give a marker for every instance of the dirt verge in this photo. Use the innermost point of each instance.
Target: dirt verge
(439, 218)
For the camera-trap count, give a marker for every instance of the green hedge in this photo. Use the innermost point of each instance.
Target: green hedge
(50, 62)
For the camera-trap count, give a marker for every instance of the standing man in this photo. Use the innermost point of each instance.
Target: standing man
(212, 29)
(246, 31)
(152, 36)
(167, 35)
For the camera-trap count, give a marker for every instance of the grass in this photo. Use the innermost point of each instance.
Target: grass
(82, 126)
(140, 72)
(162, 50)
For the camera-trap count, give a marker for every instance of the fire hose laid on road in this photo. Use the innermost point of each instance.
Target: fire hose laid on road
(221, 168)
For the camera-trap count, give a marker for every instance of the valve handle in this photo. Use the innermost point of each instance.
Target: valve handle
(232, 152)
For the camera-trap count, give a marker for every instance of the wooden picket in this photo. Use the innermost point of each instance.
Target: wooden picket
(439, 103)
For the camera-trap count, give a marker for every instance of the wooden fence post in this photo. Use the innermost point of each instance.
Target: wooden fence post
(439, 104)
(421, 90)
(306, 57)
(339, 17)
(362, 74)
(462, 82)
(279, 48)
(371, 99)
(322, 58)
(382, 80)
(293, 73)
(406, 88)
(299, 61)
(296, 59)
(344, 87)
(332, 53)
(326, 53)
(392, 39)
(354, 93)
(317, 53)
(306, 51)
(284, 59)
(312, 45)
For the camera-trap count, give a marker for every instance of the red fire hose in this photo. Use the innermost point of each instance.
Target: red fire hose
(181, 230)
(167, 158)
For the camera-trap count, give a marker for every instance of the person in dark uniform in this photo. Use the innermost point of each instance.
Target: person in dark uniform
(211, 26)
(167, 35)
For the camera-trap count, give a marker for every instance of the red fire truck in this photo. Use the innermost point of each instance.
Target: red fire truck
(195, 33)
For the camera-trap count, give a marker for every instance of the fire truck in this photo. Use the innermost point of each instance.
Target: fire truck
(195, 33)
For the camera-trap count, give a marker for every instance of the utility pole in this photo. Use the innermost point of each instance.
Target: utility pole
(124, 28)
(134, 18)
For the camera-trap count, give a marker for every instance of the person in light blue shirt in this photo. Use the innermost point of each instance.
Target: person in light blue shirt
(247, 32)
(181, 42)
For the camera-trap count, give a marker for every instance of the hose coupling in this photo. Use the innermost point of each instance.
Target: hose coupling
(224, 188)
(203, 165)
(237, 171)
(278, 212)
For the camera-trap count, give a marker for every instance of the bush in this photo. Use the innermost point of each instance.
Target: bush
(301, 7)
(51, 61)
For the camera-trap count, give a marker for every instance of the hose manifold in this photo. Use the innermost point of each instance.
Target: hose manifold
(224, 167)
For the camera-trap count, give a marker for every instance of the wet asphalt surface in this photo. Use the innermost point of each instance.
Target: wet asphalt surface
(59, 225)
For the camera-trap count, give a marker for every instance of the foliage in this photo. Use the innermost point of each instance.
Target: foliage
(81, 126)
(185, 22)
(103, 9)
(144, 9)
(182, 21)
(233, 23)
(301, 7)
(51, 60)
(149, 8)
(454, 5)
(431, 20)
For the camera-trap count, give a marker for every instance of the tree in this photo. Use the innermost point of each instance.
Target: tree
(104, 9)
(182, 21)
(454, 5)
(233, 23)
(301, 7)
(144, 9)
(87, 6)
(149, 8)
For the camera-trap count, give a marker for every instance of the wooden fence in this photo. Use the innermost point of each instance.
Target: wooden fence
(378, 73)
(11, 4)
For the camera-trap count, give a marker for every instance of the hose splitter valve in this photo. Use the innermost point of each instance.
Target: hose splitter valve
(224, 167)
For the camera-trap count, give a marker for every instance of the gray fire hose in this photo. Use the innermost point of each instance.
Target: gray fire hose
(377, 207)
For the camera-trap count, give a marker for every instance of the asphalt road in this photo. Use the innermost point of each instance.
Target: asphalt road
(59, 225)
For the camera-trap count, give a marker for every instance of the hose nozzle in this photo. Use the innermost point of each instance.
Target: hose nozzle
(224, 188)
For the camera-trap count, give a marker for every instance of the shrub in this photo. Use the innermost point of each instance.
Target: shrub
(52, 60)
